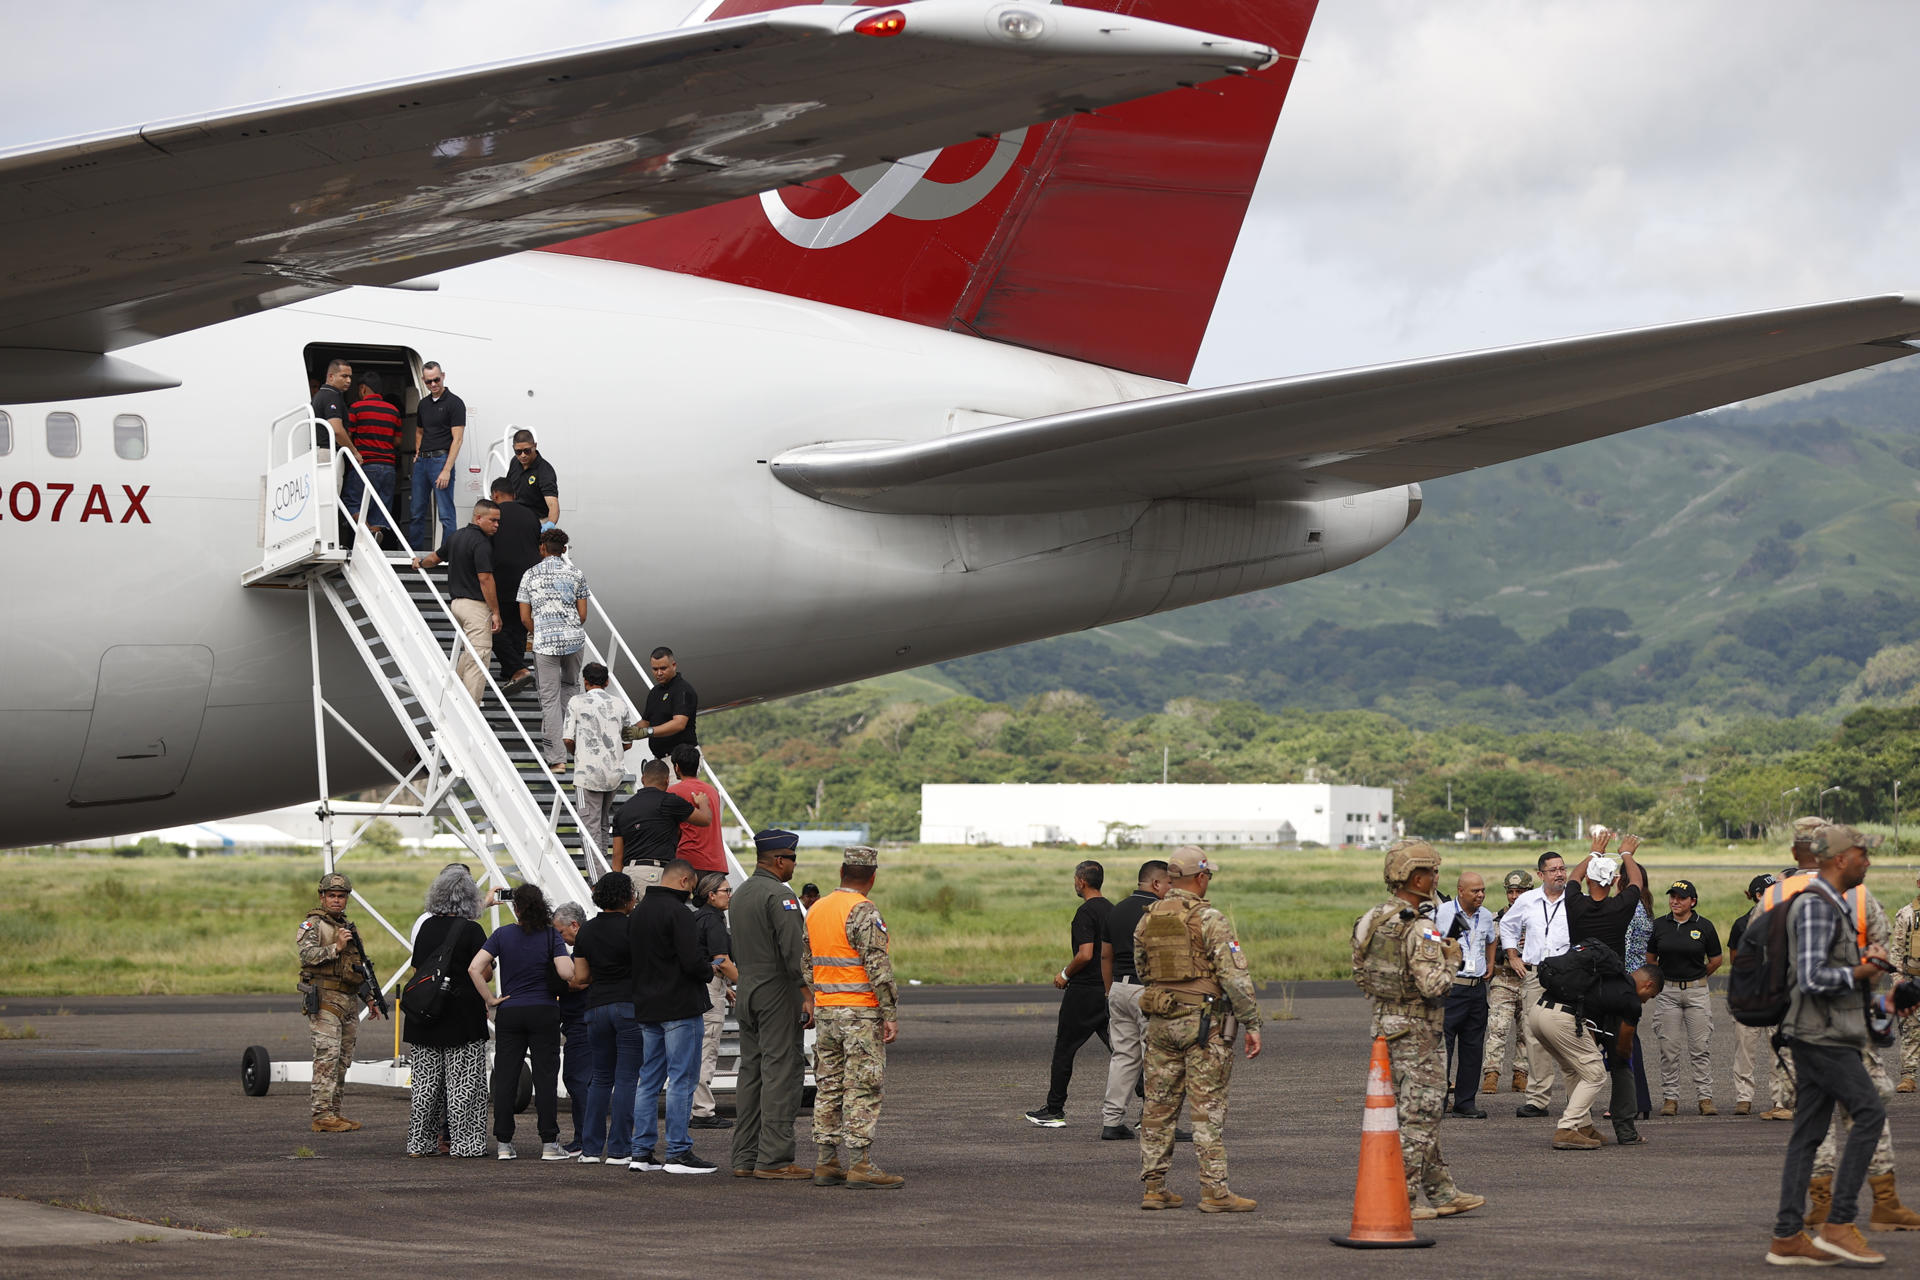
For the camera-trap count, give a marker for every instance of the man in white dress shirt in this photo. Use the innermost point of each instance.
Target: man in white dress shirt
(1466, 1026)
(1535, 929)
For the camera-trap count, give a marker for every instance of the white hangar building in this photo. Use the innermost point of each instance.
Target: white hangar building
(1274, 814)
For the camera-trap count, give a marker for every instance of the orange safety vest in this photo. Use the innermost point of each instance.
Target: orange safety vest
(839, 975)
(1785, 890)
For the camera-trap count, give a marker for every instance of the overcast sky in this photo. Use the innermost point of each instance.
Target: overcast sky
(1445, 176)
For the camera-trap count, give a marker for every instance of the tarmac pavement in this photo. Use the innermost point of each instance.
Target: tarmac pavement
(133, 1106)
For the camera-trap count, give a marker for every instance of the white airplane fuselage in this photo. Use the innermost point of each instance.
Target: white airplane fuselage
(145, 687)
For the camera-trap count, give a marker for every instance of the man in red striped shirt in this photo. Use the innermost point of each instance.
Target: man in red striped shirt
(373, 424)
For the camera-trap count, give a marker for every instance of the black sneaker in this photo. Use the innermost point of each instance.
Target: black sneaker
(687, 1162)
(1115, 1133)
(709, 1122)
(1469, 1113)
(1047, 1118)
(1529, 1112)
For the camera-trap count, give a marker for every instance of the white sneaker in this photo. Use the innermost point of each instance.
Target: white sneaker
(587, 1159)
(554, 1151)
(507, 1152)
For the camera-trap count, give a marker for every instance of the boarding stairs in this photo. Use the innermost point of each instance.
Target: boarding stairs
(476, 767)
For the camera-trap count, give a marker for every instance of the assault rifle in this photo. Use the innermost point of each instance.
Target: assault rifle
(369, 988)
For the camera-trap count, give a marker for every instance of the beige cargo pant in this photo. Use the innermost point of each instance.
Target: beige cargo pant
(1683, 1024)
(714, 1023)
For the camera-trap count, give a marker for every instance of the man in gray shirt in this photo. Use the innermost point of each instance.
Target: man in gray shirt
(774, 1007)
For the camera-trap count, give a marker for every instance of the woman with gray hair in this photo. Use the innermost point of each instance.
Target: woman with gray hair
(448, 1052)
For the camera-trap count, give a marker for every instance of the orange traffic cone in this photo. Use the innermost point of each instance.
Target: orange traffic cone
(1382, 1218)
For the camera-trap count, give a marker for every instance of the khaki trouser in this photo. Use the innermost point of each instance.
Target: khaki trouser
(1683, 1024)
(1127, 1031)
(1556, 1031)
(1541, 1077)
(1751, 1049)
(714, 1022)
(477, 621)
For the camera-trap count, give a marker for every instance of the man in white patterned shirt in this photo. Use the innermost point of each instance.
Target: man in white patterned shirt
(595, 720)
(553, 604)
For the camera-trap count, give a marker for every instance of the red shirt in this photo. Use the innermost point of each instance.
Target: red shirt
(702, 846)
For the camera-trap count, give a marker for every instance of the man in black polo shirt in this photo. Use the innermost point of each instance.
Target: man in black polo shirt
(516, 549)
(1083, 1003)
(1126, 1025)
(536, 486)
(330, 406)
(442, 416)
(672, 707)
(646, 829)
(475, 603)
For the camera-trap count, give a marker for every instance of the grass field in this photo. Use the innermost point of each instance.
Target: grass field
(93, 925)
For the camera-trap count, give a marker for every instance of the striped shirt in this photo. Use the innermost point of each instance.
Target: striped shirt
(375, 428)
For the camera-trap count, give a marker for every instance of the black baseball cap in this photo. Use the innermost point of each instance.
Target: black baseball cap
(1760, 883)
(1683, 889)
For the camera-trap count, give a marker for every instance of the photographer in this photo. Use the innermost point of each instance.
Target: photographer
(1586, 1019)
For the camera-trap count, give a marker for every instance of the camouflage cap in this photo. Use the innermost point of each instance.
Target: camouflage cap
(334, 880)
(1803, 828)
(1833, 840)
(1408, 856)
(859, 855)
(1521, 880)
(1190, 860)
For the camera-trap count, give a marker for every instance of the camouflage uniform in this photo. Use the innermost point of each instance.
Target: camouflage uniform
(1406, 967)
(325, 966)
(1827, 1158)
(849, 1057)
(1907, 962)
(1177, 1064)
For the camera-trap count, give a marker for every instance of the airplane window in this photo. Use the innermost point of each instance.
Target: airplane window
(6, 433)
(63, 435)
(130, 436)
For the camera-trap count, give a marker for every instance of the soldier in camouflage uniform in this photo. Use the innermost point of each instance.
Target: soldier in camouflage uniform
(1905, 953)
(329, 981)
(1505, 1019)
(856, 1016)
(1402, 962)
(1197, 989)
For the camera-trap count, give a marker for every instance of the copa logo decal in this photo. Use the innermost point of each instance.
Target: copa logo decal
(902, 189)
(290, 499)
(26, 503)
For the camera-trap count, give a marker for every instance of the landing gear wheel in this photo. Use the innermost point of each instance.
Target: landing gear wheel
(256, 1071)
(523, 1091)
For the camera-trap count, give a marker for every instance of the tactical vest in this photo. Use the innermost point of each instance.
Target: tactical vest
(839, 974)
(1379, 952)
(335, 974)
(1170, 950)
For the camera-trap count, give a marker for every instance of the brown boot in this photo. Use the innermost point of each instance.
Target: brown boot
(784, 1173)
(1743, 1108)
(1156, 1196)
(1574, 1140)
(1778, 1113)
(1594, 1133)
(1519, 1082)
(1888, 1213)
(1906, 1085)
(1798, 1251)
(1707, 1108)
(1461, 1202)
(1491, 1082)
(1671, 1107)
(1226, 1202)
(1819, 1199)
(333, 1124)
(1844, 1241)
(827, 1170)
(865, 1175)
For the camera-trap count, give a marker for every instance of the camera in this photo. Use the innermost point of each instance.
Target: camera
(1905, 995)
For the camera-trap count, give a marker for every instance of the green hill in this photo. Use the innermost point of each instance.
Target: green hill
(1748, 561)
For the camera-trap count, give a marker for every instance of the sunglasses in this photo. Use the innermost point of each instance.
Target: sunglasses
(528, 449)
(434, 382)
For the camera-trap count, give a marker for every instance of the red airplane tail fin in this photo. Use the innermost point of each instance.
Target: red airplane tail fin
(1101, 237)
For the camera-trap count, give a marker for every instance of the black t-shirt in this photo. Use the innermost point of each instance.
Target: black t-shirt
(534, 484)
(437, 419)
(468, 553)
(1121, 922)
(1738, 932)
(602, 943)
(516, 544)
(328, 404)
(710, 929)
(1090, 926)
(1683, 949)
(665, 701)
(1612, 1002)
(465, 1020)
(649, 825)
(1603, 921)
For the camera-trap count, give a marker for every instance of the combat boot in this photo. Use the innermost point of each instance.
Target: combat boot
(1819, 1199)
(827, 1170)
(1707, 1108)
(1491, 1084)
(1459, 1202)
(1226, 1202)
(1519, 1082)
(1671, 1107)
(1906, 1085)
(865, 1175)
(1888, 1213)
(1156, 1196)
(1742, 1108)
(333, 1124)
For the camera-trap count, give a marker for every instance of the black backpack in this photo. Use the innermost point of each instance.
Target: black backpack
(1570, 977)
(430, 993)
(1760, 979)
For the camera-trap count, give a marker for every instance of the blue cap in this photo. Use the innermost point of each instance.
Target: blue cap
(774, 838)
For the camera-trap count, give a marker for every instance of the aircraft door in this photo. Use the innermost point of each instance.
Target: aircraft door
(147, 711)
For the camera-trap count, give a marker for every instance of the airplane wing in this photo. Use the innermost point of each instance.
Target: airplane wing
(118, 238)
(1327, 435)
